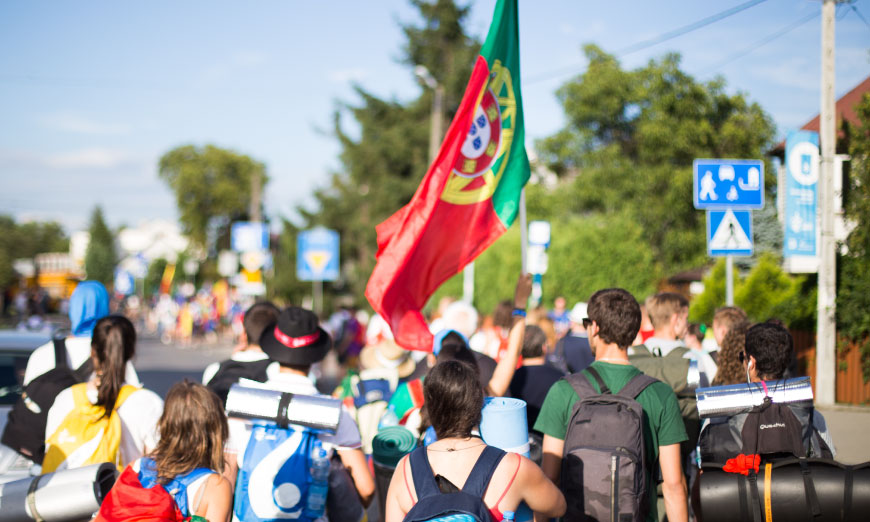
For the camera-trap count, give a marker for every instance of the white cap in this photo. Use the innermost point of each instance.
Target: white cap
(578, 313)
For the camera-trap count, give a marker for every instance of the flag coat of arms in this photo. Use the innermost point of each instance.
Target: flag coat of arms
(469, 196)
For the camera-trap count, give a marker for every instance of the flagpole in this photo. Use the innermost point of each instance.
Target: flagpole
(524, 240)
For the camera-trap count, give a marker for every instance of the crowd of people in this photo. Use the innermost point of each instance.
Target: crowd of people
(608, 387)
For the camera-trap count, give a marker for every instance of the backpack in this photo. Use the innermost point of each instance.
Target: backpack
(370, 393)
(138, 496)
(274, 475)
(675, 370)
(25, 428)
(771, 429)
(86, 436)
(605, 465)
(465, 505)
(230, 372)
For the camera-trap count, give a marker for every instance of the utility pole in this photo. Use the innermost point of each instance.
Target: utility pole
(256, 190)
(826, 331)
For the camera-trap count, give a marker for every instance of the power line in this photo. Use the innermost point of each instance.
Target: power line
(687, 28)
(764, 41)
(670, 35)
(860, 15)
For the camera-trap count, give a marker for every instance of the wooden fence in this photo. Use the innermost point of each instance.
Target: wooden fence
(851, 387)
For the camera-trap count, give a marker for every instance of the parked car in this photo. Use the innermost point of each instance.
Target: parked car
(15, 349)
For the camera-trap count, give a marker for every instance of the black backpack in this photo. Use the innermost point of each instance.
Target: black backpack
(604, 464)
(433, 504)
(25, 429)
(230, 372)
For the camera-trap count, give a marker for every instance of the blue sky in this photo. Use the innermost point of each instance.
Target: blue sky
(92, 93)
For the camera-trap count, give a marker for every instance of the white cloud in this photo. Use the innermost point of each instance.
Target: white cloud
(78, 124)
(98, 158)
(348, 75)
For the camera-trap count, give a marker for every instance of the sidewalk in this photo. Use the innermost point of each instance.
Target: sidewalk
(849, 427)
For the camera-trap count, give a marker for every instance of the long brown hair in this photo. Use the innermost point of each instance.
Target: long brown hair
(113, 344)
(729, 368)
(193, 430)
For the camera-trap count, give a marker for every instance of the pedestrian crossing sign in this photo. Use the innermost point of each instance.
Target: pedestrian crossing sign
(729, 233)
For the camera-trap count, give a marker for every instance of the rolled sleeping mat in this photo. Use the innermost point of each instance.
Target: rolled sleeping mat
(503, 424)
(724, 401)
(63, 496)
(842, 492)
(388, 447)
(321, 413)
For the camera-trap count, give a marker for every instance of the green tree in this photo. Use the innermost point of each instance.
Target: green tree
(212, 189)
(853, 294)
(100, 257)
(630, 140)
(386, 155)
(24, 241)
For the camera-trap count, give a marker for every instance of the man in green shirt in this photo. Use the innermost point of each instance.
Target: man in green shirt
(612, 324)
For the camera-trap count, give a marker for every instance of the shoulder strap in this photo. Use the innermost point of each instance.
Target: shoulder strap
(80, 394)
(677, 353)
(637, 385)
(641, 350)
(126, 391)
(481, 473)
(597, 376)
(421, 472)
(582, 386)
(60, 352)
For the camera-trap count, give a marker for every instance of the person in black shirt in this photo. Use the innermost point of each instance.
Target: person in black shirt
(532, 381)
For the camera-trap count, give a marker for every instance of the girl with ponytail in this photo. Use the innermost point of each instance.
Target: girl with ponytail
(105, 419)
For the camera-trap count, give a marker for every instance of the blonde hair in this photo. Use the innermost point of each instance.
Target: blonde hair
(662, 306)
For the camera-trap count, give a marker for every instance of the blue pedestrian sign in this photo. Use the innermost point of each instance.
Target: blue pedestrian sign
(728, 183)
(729, 233)
(317, 255)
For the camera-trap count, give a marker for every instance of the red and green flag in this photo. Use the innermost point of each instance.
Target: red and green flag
(469, 196)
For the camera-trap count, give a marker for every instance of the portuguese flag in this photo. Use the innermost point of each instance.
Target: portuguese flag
(469, 196)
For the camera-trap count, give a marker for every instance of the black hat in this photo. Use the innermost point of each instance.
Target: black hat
(296, 339)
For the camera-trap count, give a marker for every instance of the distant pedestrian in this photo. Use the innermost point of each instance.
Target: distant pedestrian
(249, 362)
(573, 353)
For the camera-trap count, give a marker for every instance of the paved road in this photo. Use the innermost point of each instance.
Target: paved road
(160, 366)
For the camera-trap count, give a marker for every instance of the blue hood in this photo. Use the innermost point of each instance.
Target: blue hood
(439, 338)
(89, 303)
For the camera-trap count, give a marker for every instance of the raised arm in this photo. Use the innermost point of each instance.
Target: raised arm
(504, 371)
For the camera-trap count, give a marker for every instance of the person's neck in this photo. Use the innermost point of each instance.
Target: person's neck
(611, 353)
(666, 333)
(534, 361)
(295, 370)
(252, 348)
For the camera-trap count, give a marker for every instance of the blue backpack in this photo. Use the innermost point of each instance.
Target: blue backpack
(177, 488)
(273, 478)
(465, 505)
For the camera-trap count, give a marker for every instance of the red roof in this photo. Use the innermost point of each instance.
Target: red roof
(844, 109)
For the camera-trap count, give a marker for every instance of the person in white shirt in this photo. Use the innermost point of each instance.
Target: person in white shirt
(113, 345)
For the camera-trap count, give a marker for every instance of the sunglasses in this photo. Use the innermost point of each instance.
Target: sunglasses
(587, 322)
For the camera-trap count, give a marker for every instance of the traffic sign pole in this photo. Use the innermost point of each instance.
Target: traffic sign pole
(317, 290)
(729, 280)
